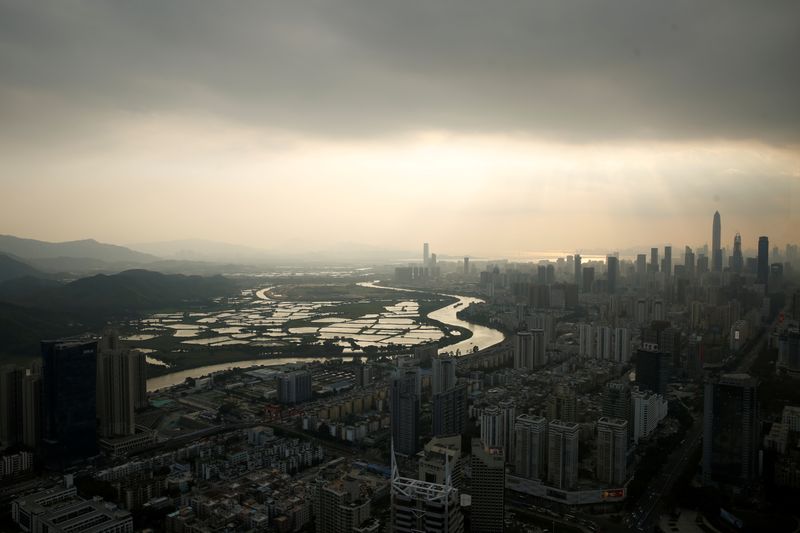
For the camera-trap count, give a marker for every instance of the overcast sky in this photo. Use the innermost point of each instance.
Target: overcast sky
(483, 127)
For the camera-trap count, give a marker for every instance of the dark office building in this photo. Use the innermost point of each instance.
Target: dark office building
(541, 275)
(751, 265)
(570, 294)
(551, 274)
(688, 262)
(716, 243)
(488, 489)
(702, 264)
(730, 430)
(776, 274)
(613, 273)
(652, 369)
(617, 401)
(11, 378)
(539, 296)
(450, 411)
(295, 387)
(588, 279)
(666, 339)
(763, 260)
(682, 287)
(404, 406)
(641, 269)
(653, 260)
(737, 260)
(694, 356)
(69, 423)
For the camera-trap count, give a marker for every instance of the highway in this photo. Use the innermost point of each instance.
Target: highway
(546, 518)
(647, 511)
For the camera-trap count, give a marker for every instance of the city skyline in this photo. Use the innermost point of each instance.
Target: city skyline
(200, 249)
(625, 228)
(330, 125)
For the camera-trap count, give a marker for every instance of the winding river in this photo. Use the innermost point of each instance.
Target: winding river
(482, 337)
(176, 378)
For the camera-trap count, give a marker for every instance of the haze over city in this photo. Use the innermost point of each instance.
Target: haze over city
(409, 266)
(472, 126)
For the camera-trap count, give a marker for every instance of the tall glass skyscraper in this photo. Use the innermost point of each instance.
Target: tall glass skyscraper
(731, 434)
(716, 243)
(404, 403)
(69, 424)
(613, 273)
(737, 262)
(763, 260)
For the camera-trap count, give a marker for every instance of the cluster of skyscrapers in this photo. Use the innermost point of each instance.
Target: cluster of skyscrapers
(716, 260)
(82, 391)
(433, 502)
(623, 332)
(448, 400)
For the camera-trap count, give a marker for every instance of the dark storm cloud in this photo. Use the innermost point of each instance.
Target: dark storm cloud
(575, 71)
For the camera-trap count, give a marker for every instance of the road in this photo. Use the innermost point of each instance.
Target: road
(21, 486)
(645, 515)
(544, 517)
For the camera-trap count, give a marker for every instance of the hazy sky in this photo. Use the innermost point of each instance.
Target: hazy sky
(483, 127)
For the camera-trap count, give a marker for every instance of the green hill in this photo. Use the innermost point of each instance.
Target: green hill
(132, 290)
(22, 328)
(32, 309)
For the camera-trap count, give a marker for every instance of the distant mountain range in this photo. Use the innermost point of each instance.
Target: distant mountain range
(86, 249)
(202, 250)
(76, 258)
(53, 289)
(354, 253)
(205, 250)
(12, 267)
